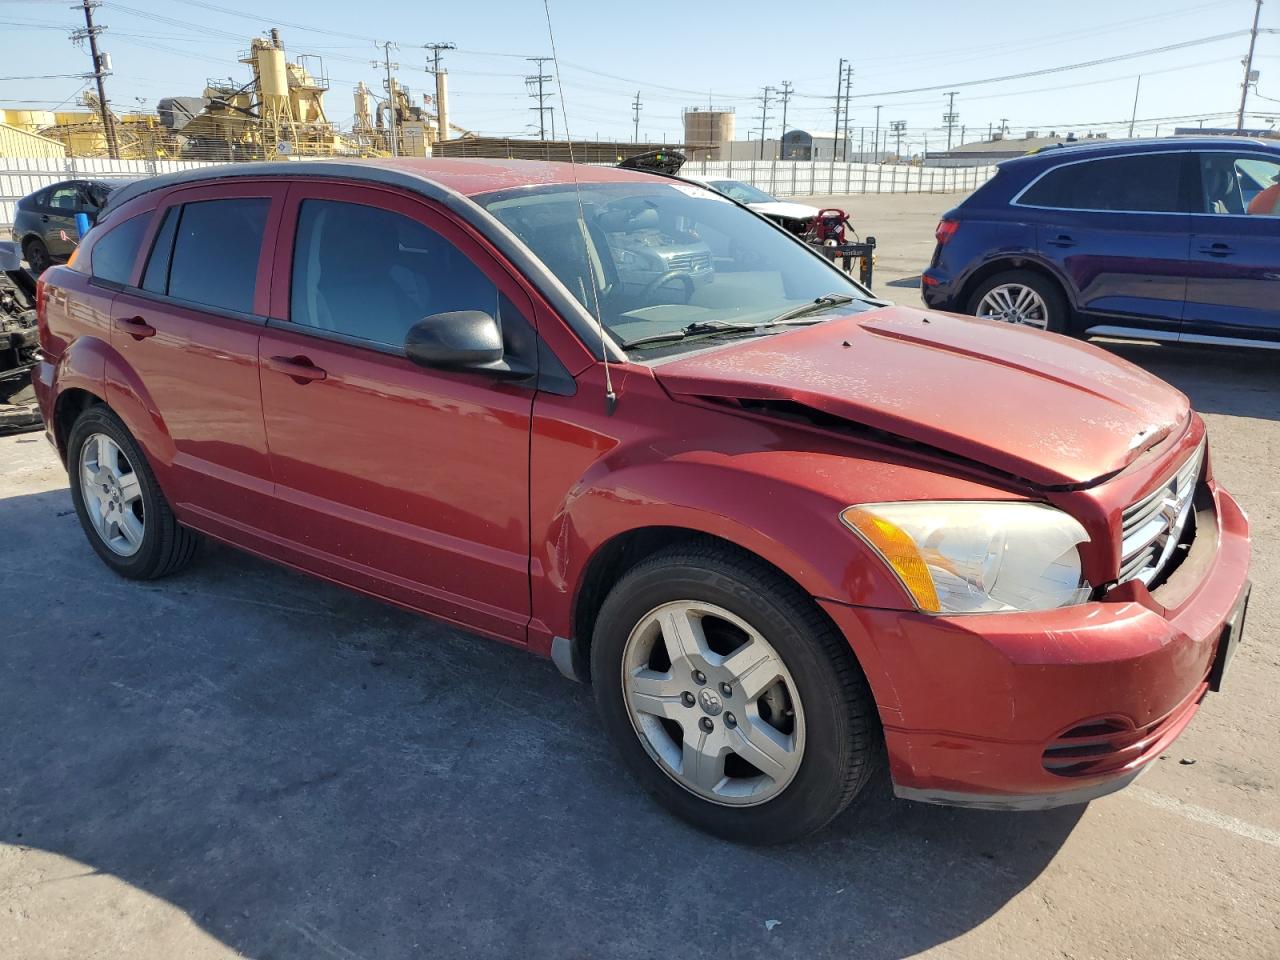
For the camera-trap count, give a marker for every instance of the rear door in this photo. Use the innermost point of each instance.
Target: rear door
(188, 326)
(409, 483)
(1117, 228)
(1233, 287)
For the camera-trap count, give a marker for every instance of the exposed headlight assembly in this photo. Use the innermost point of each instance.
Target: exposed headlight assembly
(977, 557)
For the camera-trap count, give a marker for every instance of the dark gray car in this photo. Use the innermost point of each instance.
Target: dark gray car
(43, 219)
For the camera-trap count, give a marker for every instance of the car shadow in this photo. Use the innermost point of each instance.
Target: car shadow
(292, 764)
(1241, 383)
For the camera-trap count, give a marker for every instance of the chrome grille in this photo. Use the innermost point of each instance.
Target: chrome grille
(1152, 527)
(689, 261)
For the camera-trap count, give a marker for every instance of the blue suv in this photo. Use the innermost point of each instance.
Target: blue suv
(1175, 240)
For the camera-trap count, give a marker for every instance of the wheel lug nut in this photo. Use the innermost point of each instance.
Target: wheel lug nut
(687, 699)
(699, 677)
(730, 720)
(706, 724)
(726, 689)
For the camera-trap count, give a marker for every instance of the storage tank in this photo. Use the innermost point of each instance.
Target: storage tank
(29, 120)
(273, 72)
(706, 131)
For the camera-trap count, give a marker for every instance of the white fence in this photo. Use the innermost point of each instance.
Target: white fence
(791, 178)
(20, 176)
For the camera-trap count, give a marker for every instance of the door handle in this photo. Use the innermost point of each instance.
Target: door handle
(300, 368)
(1062, 240)
(1218, 250)
(135, 327)
(44, 218)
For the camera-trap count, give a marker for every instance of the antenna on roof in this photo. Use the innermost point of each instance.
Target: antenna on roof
(610, 398)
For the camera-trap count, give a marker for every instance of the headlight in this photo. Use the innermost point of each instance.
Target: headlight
(976, 557)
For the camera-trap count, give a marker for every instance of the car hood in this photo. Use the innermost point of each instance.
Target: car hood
(1050, 410)
(781, 208)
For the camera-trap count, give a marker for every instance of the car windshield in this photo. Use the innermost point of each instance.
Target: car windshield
(665, 257)
(742, 192)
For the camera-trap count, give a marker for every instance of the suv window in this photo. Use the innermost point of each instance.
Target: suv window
(1235, 184)
(1149, 183)
(371, 273)
(216, 250)
(116, 251)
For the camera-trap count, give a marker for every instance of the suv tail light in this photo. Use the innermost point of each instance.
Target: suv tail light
(40, 301)
(946, 229)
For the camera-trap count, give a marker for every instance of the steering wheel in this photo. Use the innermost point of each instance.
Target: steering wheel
(657, 283)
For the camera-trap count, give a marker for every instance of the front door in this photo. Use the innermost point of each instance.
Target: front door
(1233, 287)
(409, 483)
(58, 218)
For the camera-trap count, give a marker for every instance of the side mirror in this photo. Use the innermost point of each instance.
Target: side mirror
(459, 340)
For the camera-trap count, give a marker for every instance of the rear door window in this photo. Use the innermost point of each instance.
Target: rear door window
(369, 273)
(116, 251)
(216, 250)
(1149, 183)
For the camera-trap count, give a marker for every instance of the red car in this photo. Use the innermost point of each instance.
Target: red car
(788, 530)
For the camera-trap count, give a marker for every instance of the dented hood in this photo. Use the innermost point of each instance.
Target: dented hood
(1050, 410)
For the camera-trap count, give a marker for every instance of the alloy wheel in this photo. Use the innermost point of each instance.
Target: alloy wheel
(112, 494)
(1014, 303)
(713, 703)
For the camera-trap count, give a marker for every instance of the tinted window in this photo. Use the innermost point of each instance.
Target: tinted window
(373, 274)
(1239, 185)
(215, 252)
(66, 199)
(1148, 183)
(116, 251)
(156, 277)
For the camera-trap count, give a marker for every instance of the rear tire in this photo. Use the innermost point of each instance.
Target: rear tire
(37, 255)
(129, 523)
(796, 705)
(1022, 297)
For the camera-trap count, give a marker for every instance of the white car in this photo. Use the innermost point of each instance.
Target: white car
(795, 217)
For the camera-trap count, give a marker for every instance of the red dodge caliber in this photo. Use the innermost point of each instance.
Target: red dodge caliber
(787, 530)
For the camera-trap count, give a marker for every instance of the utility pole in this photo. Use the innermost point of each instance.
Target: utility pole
(442, 88)
(1133, 118)
(785, 94)
(1249, 76)
(101, 70)
(539, 80)
(875, 150)
(1004, 126)
(393, 113)
(764, 115)
(635, 115)
(898, 127)
(835, 133)
(848, 86)
(862, 144)
(950, 117)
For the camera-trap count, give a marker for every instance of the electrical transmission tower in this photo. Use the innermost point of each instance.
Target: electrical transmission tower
(765, 94)
(899, 127)
(950, 117)
(635, 115)
(101, 70)
(393, 99)
(442, 87)
(785, 95)
(537, 89)
(848, 87)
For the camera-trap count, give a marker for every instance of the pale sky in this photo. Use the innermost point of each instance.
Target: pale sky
(682, 54)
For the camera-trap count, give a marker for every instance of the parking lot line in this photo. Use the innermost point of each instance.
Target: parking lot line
(1189, 811)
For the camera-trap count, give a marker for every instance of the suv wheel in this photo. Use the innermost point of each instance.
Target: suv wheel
(1021, 296)
(125, 516)
(731, 697)
(37, 255)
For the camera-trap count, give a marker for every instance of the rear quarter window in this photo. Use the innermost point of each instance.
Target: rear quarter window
(116, 251)
(1149, 183)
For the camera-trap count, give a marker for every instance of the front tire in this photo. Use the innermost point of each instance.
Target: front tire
(129, 523)
(731, 697)
(1022, 297)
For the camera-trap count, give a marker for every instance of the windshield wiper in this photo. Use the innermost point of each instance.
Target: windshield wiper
(814, 306)
(690, 330)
